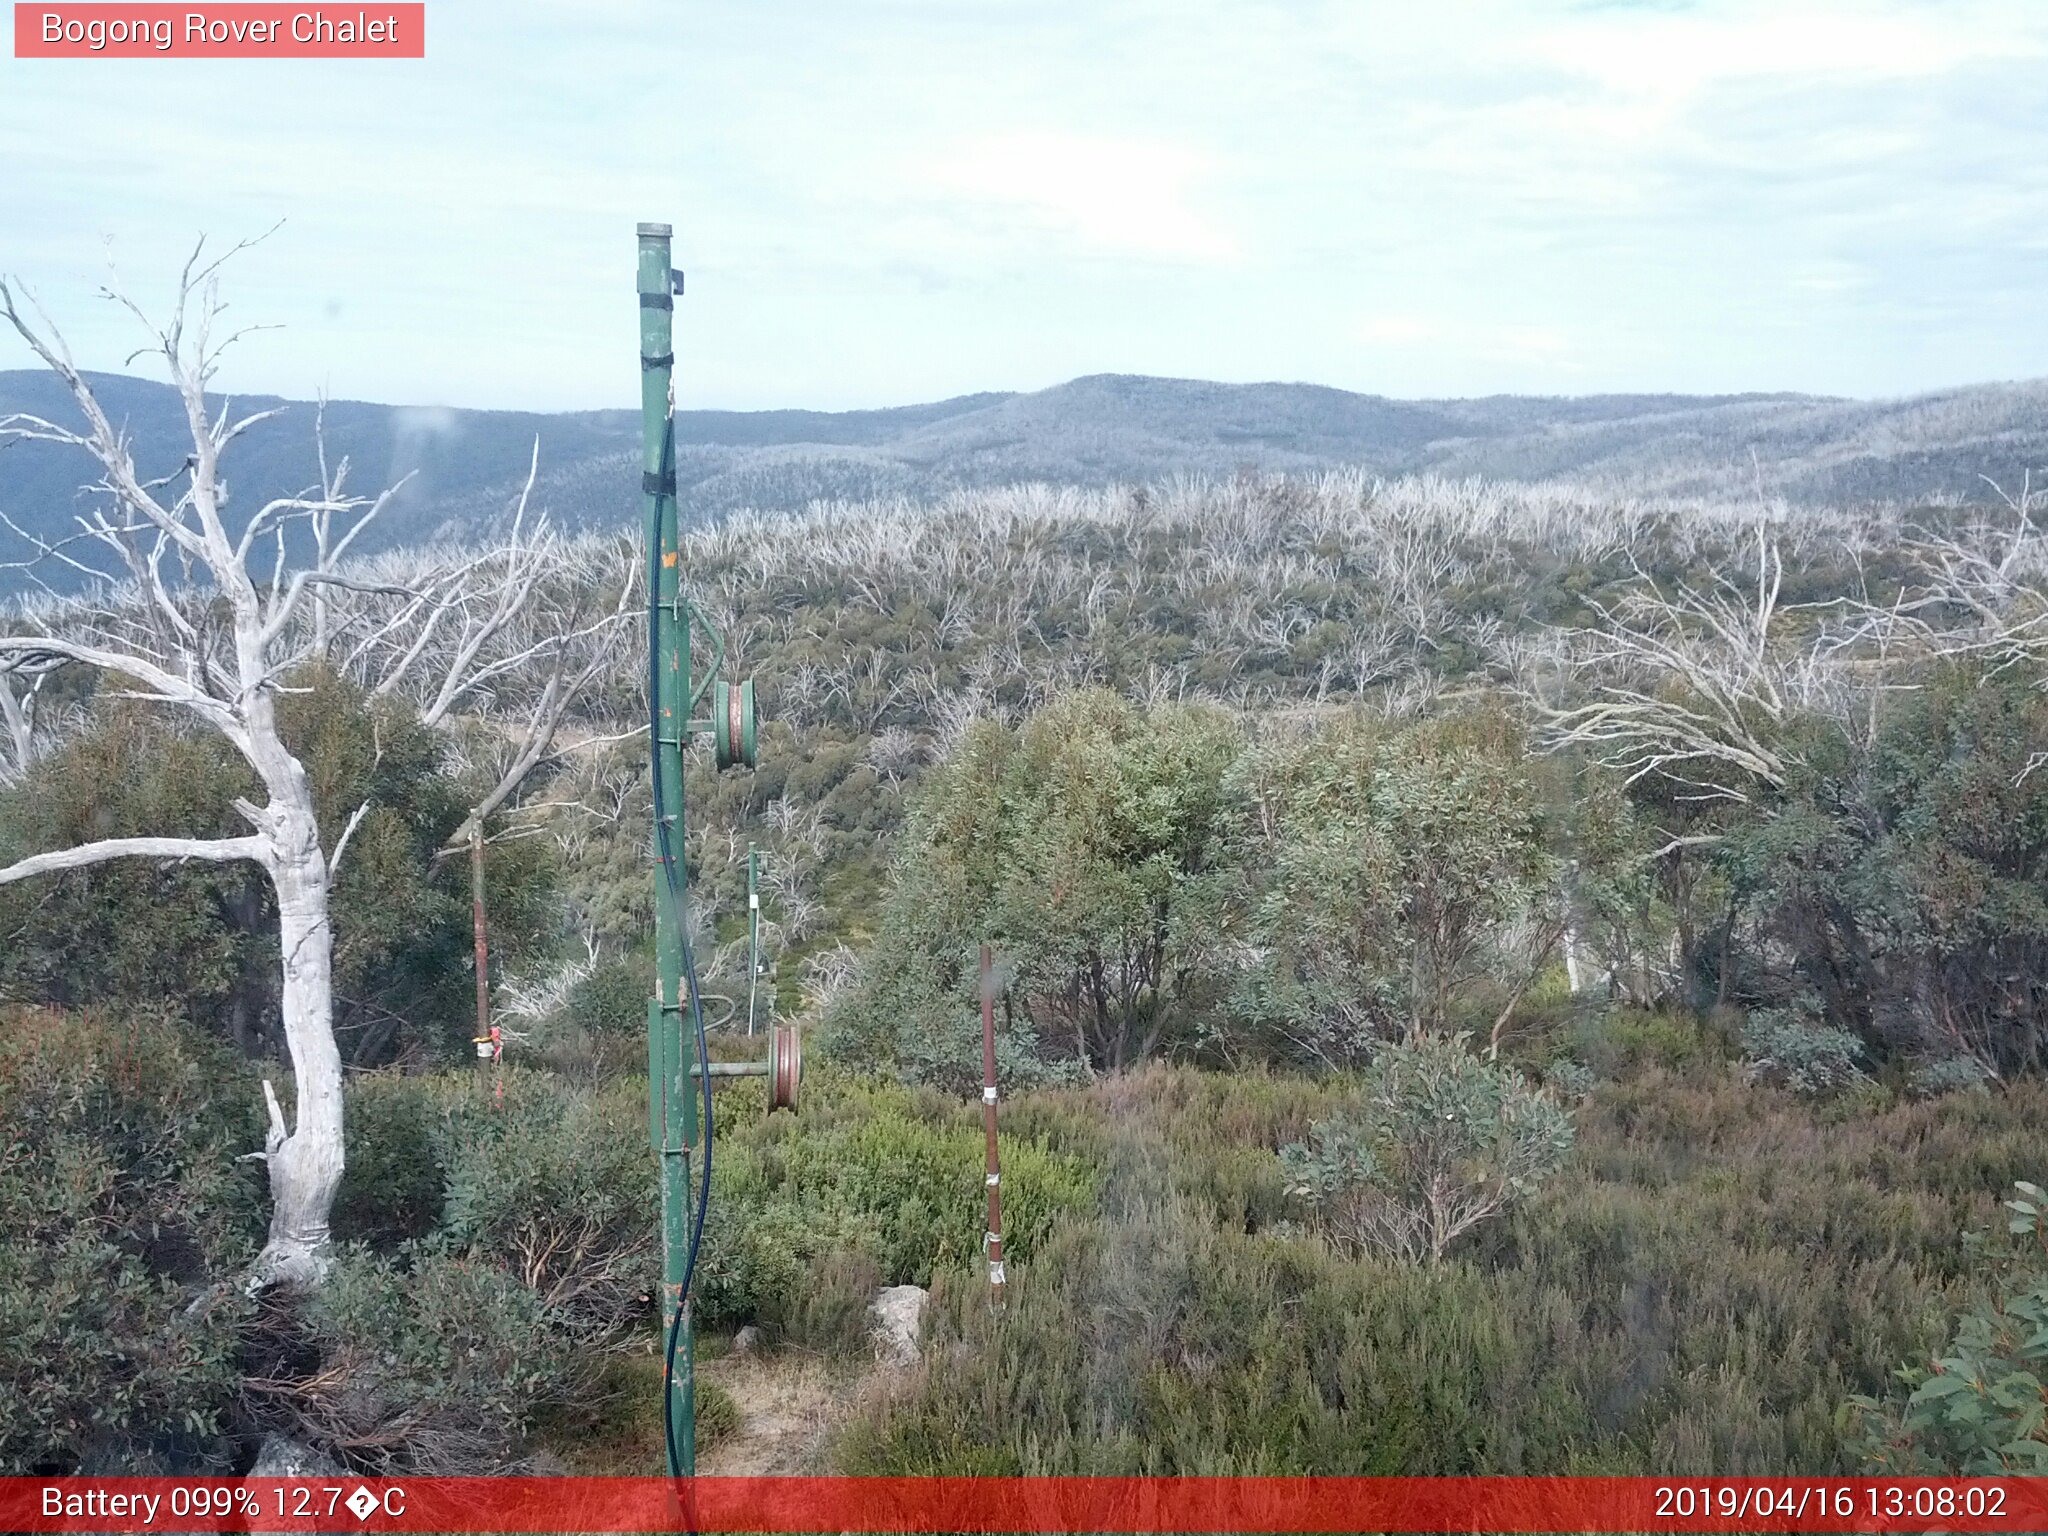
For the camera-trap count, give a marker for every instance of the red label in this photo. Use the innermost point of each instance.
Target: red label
(1151, 1505)
(237, 31)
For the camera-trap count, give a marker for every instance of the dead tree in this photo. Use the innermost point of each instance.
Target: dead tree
(203, 616)
(218, 659)
(19, 696)
(1695, 685)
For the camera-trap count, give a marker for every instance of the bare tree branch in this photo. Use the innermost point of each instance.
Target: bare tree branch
(216, 850)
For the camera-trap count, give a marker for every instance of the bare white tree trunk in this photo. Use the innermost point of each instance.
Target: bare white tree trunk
(304, 1158)
(18, 714)
(220, 648)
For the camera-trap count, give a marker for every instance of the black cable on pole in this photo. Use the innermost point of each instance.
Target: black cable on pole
(666, 855)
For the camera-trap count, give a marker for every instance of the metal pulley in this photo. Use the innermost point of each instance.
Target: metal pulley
(732, 723)
(785, 1066)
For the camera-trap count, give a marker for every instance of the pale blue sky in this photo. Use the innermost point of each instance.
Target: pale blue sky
(883, 201)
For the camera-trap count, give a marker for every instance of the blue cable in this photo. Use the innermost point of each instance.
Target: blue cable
(675, 886)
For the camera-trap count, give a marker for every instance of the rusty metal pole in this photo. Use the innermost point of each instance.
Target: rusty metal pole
(992, 1240)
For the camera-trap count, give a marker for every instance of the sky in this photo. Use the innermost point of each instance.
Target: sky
(886, 201)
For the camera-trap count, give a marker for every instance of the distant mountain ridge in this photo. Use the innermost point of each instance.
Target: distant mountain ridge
(1102, 429)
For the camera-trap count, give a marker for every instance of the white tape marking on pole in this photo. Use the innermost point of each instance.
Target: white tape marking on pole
(988, 1095)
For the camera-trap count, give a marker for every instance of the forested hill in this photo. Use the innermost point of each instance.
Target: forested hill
(1091, 431)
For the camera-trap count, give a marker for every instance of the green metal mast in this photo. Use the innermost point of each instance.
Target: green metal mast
(672, 1106)
(674, 1016)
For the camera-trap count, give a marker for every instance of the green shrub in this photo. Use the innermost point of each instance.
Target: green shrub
(556, 1187)
(871, 1179)
(123, 1205)
(1436, 1142)
(611, 1002)
(1395, 862)
(392, 1181)
(429, 1365)
(831, 1314)
(1625, 1041)
(1571, 1081)
(1903, 875)
(1716, 1273)
(1088, 846)
(507, 1246)
(1949, 1074)
(1981, 1409)
(1793, 1049)
(200, 939)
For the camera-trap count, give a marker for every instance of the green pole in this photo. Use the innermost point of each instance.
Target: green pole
(672, 1108)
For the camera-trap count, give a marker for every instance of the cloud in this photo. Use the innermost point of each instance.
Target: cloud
(1396, 330)
(898, 199)
(1674, 55)
(1118, 195)
(1547, 346)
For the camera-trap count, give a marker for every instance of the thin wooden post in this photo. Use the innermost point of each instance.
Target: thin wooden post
(992, 1241)
(753, 934)
(483, 948)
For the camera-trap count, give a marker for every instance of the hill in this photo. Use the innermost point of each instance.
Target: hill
(1092, 431)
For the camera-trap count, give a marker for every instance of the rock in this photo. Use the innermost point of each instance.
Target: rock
(747, 1340)
(897, 1313)
(282, 1457)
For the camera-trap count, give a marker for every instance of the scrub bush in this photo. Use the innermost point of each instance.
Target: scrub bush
(123, 1203)
(1980, 1410)
(1792, 1048)
(1435, 1142)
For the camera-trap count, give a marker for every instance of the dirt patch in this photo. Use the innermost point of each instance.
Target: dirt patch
(789, 1403)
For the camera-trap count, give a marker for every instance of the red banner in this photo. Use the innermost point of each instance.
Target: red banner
(1050, 1504)
(214, 31)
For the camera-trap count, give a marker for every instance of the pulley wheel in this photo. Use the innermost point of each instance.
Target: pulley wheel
(732, 724)
(785, 1066)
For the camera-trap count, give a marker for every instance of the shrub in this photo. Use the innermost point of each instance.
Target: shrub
(1621, 1042)
(1949, 1074)
(556, 1187)
(611, 1002)
(1788, 1047)
(1437, 1142)
(1719, 1274)
(1395, 865)
(201, 939)
(1089, 847)
(392, 1181)
(429, 1365)
(1904, 877)
(717, 1414)
(1568, 1079)
(122, 1203)
(1981, 1409)
(831, 1314)
(873, 1180)
(507, 1247)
